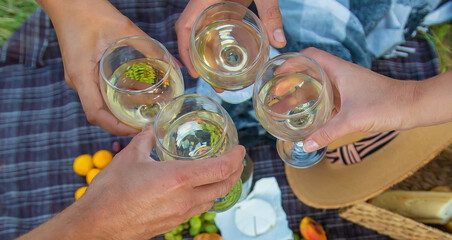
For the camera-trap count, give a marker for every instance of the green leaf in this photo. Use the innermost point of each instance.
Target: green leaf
(142, 72)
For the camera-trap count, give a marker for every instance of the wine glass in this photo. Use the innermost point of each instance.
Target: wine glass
(228, 46)
(247, 177)
(139, 77)
(193, 127)
(292, 98)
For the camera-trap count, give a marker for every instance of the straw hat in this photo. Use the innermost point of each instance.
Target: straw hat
(327, 185)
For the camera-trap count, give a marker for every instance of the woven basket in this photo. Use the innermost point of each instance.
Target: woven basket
(437, 172)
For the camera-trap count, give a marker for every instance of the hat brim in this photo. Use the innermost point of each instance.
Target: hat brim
(327, 185)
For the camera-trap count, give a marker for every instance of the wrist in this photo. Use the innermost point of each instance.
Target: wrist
(79, 221)
(430, 101)
(63, 13)
(73, 223)
(89, 221)
(409, 104)
(56, 8)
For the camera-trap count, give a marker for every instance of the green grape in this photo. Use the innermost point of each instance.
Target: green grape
(186, 225)
(295, 236)
(209, 216)
(211, 228)
(180, 228)
(194, 231)
(168, 236)
(210, 221)
(195, 223)
(186, 221)
(178, 237)
(175, 231)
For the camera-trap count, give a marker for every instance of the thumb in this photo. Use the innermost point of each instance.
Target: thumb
(271, 17)
(144, 141)
(328, 133)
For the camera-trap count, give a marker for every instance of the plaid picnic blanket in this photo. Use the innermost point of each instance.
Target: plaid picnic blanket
(43, 127)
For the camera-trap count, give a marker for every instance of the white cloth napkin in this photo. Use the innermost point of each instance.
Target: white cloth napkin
(266, 189)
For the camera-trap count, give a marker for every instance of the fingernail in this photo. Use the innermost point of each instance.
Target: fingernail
(243, 150)
(278, 35)
(310, 146)
(116, 147)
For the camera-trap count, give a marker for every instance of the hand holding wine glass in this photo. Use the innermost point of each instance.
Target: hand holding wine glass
(136, 197)
(292, 98)
(268, 12)
(228, 46)
(85, 29)
(366, 101)
(139, 77)
(194, 127)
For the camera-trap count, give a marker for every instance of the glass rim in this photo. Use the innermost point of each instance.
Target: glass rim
(181, 98)
(281, 56)
(260, 29)
(153, 86)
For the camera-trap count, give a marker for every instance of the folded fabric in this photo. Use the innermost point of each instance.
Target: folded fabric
(441, 15)
(355, 30)
(267, 190)
(326, 25)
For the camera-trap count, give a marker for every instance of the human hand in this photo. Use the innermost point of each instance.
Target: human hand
(364, 101)
(268, 12)
(85, 29)
(136, 197)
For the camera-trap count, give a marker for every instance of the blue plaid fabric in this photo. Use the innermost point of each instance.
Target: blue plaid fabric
(355, 30)
(43, 127)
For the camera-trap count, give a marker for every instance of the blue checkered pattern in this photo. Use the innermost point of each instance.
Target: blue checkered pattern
(43, 127)
(355, 30)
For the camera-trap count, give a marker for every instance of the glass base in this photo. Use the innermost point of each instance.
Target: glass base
(224, 203)
(293, 154)
(233, 97)
(238, 96)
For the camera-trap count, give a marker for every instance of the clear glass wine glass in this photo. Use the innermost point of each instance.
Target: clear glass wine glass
(139, 77)
(247, 177)
(292, 98)
(193, 127)
(228, 46)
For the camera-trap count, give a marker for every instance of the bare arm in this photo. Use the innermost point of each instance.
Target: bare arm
(72, 223)
(366, 101)
(432, 101)
(136, 197)
(85, 29)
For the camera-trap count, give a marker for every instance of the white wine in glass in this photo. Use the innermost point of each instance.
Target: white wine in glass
(228, 46)
(194, 134)
(293, 98)
(139, 78)
(193, 127)
(290, 94)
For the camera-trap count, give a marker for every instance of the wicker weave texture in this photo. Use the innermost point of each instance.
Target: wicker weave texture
(436, 173)
(391, 224)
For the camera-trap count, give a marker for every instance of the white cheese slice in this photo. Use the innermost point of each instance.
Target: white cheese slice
(254, 217)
